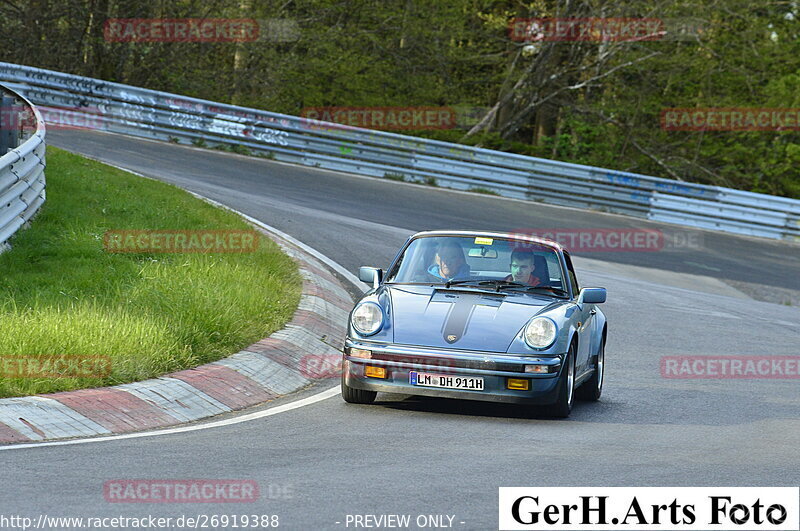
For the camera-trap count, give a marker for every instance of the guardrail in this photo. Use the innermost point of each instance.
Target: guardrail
(22, 163)
(152, 114)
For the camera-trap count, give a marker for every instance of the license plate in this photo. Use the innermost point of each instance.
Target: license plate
(446, 381)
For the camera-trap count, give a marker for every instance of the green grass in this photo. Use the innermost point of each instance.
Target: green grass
(394, 176)
(430, 181)
(61, 293)
(480, 190)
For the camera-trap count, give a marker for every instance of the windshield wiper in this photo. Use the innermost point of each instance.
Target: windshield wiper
(500, 284)
(497, 284)
(557, 291)
(475, 281)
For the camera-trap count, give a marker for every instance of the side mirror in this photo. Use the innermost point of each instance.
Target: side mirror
(370, 275)
(592, 296)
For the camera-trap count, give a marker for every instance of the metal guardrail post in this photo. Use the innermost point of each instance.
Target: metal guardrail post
(9, 125)
(22, 179)
(151, 114)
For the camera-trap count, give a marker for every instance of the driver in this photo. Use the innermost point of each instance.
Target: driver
(523, 265)
(449, 262)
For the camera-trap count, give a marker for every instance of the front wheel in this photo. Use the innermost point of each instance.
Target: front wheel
(357, 396)
(593, 387)
(566, 387)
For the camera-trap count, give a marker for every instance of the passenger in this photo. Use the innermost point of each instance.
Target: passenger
(450, 262)
(523, 265)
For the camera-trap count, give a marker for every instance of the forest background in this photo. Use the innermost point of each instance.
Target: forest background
(597, 101)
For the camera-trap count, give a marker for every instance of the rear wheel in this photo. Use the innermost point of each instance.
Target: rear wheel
(593, 387)
(566, 387)
(357, 396)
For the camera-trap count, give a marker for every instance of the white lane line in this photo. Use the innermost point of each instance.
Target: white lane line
(324, 395)
(183, 429)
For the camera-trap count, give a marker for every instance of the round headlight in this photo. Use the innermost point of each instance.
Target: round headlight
(367, 318)
(540, 332)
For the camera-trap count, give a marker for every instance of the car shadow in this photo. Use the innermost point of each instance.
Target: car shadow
(450, 406)
(624, 406)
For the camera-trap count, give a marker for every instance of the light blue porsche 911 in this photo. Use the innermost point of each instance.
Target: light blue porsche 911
(478, 316)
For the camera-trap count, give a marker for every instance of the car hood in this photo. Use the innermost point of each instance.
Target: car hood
(461, 319)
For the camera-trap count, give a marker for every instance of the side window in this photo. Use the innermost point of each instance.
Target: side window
(572, 278)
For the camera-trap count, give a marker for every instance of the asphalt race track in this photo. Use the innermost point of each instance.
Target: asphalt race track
(318, 463)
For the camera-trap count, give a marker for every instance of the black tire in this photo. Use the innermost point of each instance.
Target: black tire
(566, 387)
(592, 388)
(357, 396)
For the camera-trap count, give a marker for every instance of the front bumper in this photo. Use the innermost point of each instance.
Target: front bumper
(494, 368)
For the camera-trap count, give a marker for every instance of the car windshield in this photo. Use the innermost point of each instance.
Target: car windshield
(488, 262)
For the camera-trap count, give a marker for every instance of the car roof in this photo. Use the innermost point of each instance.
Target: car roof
(517, 236)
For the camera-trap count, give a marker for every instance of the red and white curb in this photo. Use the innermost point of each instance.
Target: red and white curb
(263, 371)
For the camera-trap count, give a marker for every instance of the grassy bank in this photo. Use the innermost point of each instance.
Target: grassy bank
(62, 293)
